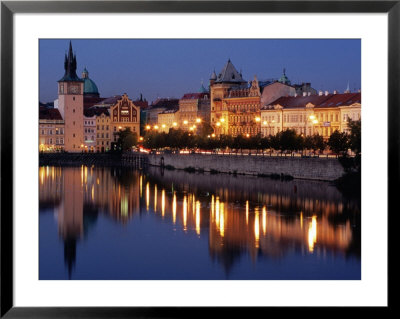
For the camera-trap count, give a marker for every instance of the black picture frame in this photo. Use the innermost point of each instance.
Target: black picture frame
(9, 8)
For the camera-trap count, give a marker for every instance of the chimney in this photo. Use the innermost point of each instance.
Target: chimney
(309, 93)
(335, 92)
(320, 93)
(304, 93)
(326, 92)
(295, 95)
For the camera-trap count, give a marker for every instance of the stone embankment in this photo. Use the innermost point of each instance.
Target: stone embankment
(327, 169)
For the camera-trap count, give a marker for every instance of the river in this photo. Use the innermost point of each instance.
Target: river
(125, 224)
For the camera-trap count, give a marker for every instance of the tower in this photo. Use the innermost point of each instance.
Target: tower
(70, 104)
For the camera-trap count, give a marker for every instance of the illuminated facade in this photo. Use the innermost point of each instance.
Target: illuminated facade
(51, 130)
(168, 119)
(194, 109)
(315, 114)
(236, 105)
(103, 131)
(124, 115)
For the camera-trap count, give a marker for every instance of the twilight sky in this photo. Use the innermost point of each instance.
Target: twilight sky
(171, 68)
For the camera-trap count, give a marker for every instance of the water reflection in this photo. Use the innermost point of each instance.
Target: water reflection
(237, 216)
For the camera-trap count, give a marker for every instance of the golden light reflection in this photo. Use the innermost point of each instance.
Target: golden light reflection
(257, 228)
(222, 221)
(81, 174)
(124, 206)
(217, 211)
(174, 208)
(301, 220)
(264, 220)
(198, 217)
(163, 202)
(312, 233)
(155, 198)
(92, 192)
(141, 186)
(184, 213)
(147, 196)
(41, 175)
(193, 204)
(212, 206)
(247, 212)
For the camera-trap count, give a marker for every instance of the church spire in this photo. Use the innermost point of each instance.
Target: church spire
(70, 66)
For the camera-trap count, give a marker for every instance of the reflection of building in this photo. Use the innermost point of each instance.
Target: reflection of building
(322, 114)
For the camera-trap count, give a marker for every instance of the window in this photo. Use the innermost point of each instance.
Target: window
(73, 98)
(73, 110)
(73, 135)
(42, 132)
(50, 141)
(51, 132)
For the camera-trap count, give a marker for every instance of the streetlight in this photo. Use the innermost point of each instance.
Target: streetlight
(163, 125)
(222, 120)
(156, 127)
(174, 124)
(218, 124)
(258, 119)
(198, 120)
(148, 127)
(185, 122)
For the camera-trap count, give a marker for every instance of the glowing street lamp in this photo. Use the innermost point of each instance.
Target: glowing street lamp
(222, 120)
(265, 122)
(163, 125)
(148, 127)
(198, 120)
(212, 135)
(185, 122)
(218, 124)
(247, 135)
(174, 124)
(156, 127)
(258, 119)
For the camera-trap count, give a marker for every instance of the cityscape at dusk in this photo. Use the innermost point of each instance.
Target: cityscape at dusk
(200, 159)
(171, 68)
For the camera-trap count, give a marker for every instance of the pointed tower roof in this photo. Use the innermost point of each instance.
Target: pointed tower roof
(284, 79)
(229, 74)
(213, 76)
(202, 88)
(70, 67)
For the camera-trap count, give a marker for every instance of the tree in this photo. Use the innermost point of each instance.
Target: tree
(318, 143)
(126, 139)
(288, 140)
(355, 135)
(339, 143)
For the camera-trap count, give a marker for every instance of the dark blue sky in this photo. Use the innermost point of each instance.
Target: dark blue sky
(171, 68)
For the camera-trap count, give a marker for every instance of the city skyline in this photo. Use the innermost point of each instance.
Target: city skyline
(172, 67)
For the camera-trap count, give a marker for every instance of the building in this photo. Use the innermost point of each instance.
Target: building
(70, 104)
(124, 115)
(51, 130)
(158, 106)
(104, 135)
(236, 104)
(194, 109)
(167, 120)
(89, 129)
(311, 114)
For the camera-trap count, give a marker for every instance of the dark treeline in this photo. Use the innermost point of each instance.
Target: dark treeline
(287, 141)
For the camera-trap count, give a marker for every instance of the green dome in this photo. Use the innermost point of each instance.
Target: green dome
(89, 87)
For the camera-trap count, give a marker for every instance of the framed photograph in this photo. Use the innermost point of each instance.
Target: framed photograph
(160, 158)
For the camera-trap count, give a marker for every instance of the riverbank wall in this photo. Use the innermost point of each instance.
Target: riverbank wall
(325, 169)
